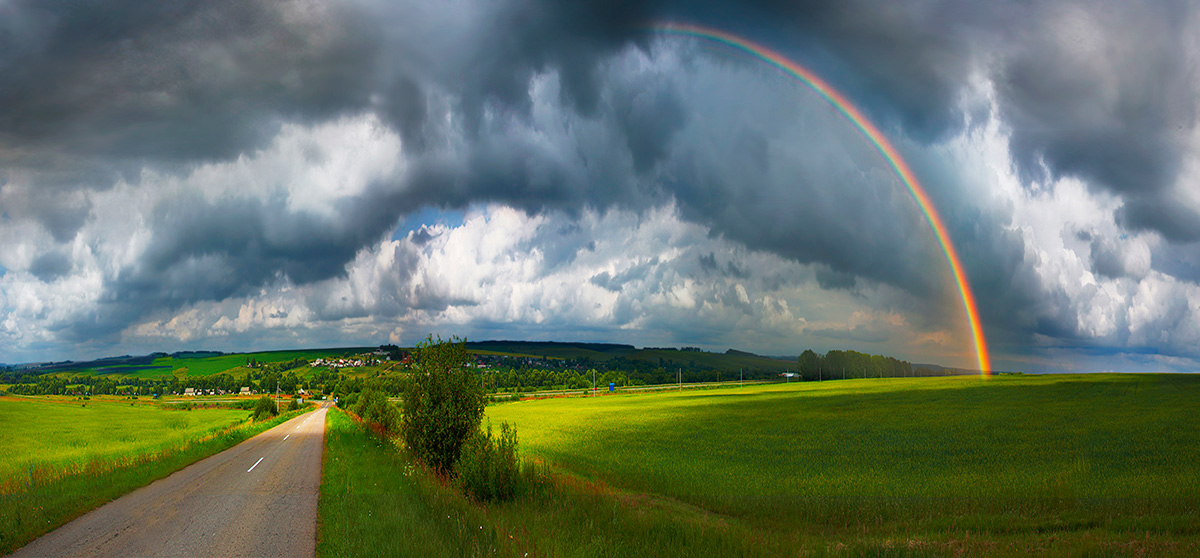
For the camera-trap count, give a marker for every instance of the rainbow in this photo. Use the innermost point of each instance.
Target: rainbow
(881, 143)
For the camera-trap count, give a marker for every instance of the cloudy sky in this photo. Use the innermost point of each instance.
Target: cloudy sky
(243, 174)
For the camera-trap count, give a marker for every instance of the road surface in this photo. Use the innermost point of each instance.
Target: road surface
(258, 498)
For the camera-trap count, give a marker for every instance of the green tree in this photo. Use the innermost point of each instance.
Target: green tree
(809, 363)
(264, 408)
(374, 408)
(443, 403)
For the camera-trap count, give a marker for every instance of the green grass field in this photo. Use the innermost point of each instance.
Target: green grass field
(1095, 459)
(207, 366)
(375, 502)
(164, 367)
(61, 434)
(1013, 465)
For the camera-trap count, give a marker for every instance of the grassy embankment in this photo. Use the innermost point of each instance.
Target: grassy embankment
(1015, 464)
(63, 458)
(374, 502)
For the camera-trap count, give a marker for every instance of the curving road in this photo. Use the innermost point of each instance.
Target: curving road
(258, 498)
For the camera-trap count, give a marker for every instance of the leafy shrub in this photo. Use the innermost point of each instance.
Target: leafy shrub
(374, 408)
(264, 409)
(443, 403)
(294, 405)
(490, 470)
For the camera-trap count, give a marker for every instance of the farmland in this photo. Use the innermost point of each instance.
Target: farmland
(66, 433)
(1087, 464)
(1097, 459)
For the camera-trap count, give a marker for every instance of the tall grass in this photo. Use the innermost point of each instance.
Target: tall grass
(53, 492)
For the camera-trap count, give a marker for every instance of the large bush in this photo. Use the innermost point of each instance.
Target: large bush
(443, 403)
(374, 408)
(264, 409)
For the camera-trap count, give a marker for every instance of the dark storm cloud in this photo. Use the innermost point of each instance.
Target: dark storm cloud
(213, 250)
(254, 242)
(1161, 213)
(50, 266)
(119, 86)
(858, 333)
(829, 279)
(173, 80)
(1105, 92)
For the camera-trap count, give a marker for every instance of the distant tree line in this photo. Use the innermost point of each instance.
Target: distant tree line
(836, 365)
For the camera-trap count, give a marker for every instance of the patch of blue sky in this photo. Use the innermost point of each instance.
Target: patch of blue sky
(427, 215)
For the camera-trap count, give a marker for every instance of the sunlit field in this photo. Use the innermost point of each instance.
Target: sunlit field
(1093, 458)
(47, 433)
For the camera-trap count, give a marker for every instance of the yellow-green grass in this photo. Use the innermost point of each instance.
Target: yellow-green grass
(208, 366)
(375, 502)
(63, 459)
(1011, 463)
(62, 435)
(165, 367)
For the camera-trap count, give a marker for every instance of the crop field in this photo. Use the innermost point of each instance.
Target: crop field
(207, 366)
(55, 434)
(1086, 463)
(204, 365)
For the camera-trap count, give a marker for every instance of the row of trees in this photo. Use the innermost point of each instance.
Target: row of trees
(49, 384)
(836, 365)
(500, 376)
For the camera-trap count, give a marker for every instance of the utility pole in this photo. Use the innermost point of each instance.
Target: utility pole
(739, 377)
(679, 371)
(593, 382)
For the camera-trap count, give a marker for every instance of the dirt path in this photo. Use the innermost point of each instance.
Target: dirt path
(258, 498)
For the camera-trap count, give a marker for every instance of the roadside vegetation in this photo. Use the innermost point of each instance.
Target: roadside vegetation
(376, 501)
(66, 457)
(265, 408)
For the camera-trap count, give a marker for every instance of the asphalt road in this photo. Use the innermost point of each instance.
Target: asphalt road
(258, 498)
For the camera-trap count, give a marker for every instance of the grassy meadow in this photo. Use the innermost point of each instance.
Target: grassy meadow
(1098, 464)
(375, 502)
(1092, 459)
(60, 435)
(64, 458)
(234, 363)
